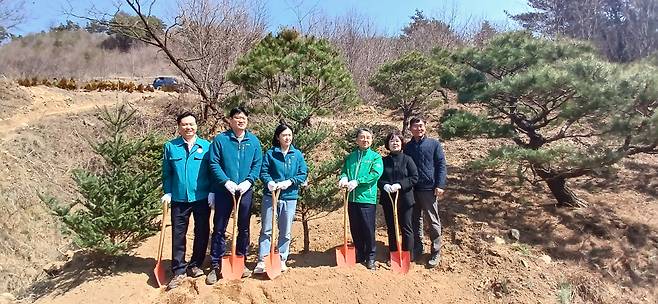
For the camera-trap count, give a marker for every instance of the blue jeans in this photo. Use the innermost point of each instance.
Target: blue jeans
(285, 216)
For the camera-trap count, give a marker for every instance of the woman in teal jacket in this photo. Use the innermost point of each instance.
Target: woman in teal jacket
(283, 169)
(360, 173)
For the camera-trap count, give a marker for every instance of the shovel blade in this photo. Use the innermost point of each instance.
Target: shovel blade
(345, 256)
(400, 263)
(232, 267)
(273, 265)
(159, 273)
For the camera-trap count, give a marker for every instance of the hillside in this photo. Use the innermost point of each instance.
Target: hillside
(602, 254)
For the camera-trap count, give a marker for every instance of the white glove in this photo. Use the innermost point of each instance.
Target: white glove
(231, 186)
(387, 188)
(342, 183)
(272, 185)
(352, 185)
(284, 184)
(166, 199)
(244, 186)
(395, 187)
(211, 200)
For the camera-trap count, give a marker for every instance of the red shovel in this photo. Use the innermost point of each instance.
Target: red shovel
(159, 271)
(233, 265)
(273, 261)
(400, 260)
(345, 254)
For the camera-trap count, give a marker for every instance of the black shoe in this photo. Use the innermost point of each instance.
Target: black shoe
(417, 256)
(194, 272)
(371, 265)
(213, 276)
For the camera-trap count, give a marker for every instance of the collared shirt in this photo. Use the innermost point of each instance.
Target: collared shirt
(191, 143)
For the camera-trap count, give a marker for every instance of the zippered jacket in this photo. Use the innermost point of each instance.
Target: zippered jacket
(186, 174)
(366, 167)
(278, 167)
(234, 160)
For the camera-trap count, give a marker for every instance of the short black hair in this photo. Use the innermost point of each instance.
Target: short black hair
(238, 110)
(361, 130)
(279, 129)
(417, 119)
(390, 136)
(183, 115)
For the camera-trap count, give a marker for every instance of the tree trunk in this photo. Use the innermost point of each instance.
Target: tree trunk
(564, 196)
(406, 116)
(307, 238)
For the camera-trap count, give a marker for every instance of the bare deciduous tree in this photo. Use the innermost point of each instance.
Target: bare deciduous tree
(623, 30)
(12, 12)
(203, 42)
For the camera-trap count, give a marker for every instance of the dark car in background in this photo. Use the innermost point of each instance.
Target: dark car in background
(166, 83)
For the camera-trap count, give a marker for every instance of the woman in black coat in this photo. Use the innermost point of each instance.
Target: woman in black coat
(400, 175)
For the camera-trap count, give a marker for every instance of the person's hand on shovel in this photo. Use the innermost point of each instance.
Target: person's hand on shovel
(284, 184)
(166, 199)
(272, 185)
(244, 186)
(231, 186)
(395, 188)
(342, 183)
(351, 185)
(387, 188)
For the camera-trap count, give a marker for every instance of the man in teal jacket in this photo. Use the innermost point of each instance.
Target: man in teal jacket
(235, 160)
(186, 182)
(360, 173)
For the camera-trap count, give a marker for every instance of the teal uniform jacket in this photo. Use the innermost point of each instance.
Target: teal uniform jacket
(278, 167)
(186, 174)
(233, 160)
(366, 167)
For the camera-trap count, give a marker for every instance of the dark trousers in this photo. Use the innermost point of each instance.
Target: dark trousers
(362, 226)
(427, 205)
(180, 219)
(223, 211)
(404, 222)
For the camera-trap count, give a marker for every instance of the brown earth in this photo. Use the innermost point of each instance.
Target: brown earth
(607, 253)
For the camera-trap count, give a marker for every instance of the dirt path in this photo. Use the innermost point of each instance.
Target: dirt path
(46, 101)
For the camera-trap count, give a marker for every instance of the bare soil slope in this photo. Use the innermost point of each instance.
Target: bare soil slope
(603, 254)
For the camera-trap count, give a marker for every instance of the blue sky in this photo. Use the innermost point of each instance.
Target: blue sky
(389, 15)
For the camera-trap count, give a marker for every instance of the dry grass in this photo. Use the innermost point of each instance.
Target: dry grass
(77, 54)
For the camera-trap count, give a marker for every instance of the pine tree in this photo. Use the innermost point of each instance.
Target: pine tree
(302, 77)
(120, 200)
(411, 84)
(572, 113)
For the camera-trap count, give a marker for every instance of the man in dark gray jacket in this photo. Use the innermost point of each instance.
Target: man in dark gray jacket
(428, 156)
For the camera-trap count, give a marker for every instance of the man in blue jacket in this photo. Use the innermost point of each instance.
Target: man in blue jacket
(235, 160)
(186, 182)
(430, 160)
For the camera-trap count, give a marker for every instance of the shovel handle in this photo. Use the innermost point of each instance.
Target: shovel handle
(275, 199)
(236, 208)
(165, 209)
(345, 219)
(395, 220)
